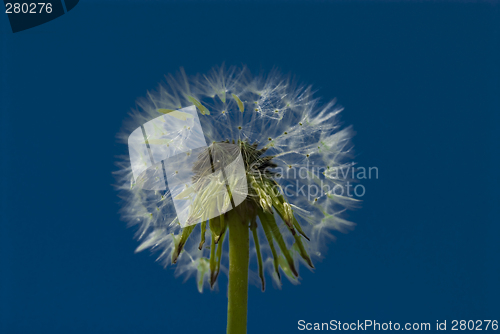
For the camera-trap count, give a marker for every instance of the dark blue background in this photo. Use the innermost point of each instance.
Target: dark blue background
(420, 84)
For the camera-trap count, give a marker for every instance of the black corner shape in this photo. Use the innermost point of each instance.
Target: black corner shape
(70, 4)
(25, 14)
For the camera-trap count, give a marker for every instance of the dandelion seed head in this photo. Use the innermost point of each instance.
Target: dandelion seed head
(280, 127)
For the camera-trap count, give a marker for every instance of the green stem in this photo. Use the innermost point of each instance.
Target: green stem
(238, 276)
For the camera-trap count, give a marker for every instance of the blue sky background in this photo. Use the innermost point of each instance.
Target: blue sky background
(419, 82)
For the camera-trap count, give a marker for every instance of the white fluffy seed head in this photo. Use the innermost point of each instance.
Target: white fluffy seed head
(300, 131)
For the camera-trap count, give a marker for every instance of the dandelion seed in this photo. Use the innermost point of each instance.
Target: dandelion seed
(241, 106)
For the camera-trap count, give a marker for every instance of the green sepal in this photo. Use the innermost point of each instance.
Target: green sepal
(285, 266)
(285, 212)
(213, 264)
(203, 232)
(281, 211)
(215, 258)
(268, 219)
(218, 259)
(279, 205)
(253, 227)
(302, 251)
(269, 237)
(186, 232)
(297, 226)
(217, 227)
